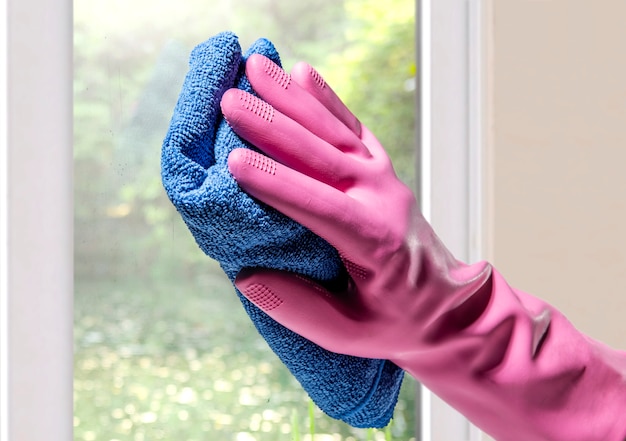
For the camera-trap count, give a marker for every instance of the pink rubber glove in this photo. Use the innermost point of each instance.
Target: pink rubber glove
(510, 362)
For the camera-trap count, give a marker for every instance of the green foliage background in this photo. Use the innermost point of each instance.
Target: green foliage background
(163, 349)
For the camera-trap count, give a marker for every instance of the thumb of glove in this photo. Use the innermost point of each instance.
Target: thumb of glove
(303, 306)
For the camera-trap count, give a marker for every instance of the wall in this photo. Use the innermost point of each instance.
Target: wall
(557, 155)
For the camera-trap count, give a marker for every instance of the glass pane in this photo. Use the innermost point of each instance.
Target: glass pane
(163, 349)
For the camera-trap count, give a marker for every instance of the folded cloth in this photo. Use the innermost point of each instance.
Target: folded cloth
(240, 232)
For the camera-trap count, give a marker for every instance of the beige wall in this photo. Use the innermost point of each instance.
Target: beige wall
(557, 218)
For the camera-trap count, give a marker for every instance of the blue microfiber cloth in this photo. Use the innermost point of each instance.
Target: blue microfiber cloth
(240, 232)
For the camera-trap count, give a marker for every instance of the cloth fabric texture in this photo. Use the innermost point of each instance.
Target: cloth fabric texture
(241, 232)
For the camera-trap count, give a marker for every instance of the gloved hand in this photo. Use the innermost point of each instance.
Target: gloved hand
(510, 362)
(337, 180)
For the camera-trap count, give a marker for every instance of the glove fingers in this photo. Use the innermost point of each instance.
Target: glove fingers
(326, 211)
(277, 88)
(311, 81)
(285, 140)
(302, 306)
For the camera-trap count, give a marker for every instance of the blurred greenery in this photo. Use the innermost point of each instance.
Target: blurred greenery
(163, 349)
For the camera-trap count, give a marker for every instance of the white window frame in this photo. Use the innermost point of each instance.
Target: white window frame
(36, 231)
(452, 55)
(36, 241)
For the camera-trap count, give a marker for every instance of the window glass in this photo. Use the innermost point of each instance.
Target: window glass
(163, 349)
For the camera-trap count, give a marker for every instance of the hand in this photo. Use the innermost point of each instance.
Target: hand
(329, 173)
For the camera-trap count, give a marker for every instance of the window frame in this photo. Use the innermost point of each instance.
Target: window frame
(451, 110)
(36, 282)
(36, 347)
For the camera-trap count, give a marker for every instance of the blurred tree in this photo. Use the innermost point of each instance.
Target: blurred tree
(300, 30)
(375, 75)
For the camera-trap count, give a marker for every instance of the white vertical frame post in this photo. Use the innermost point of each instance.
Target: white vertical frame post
(36, 222)
(451, 113)
(4, 231)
